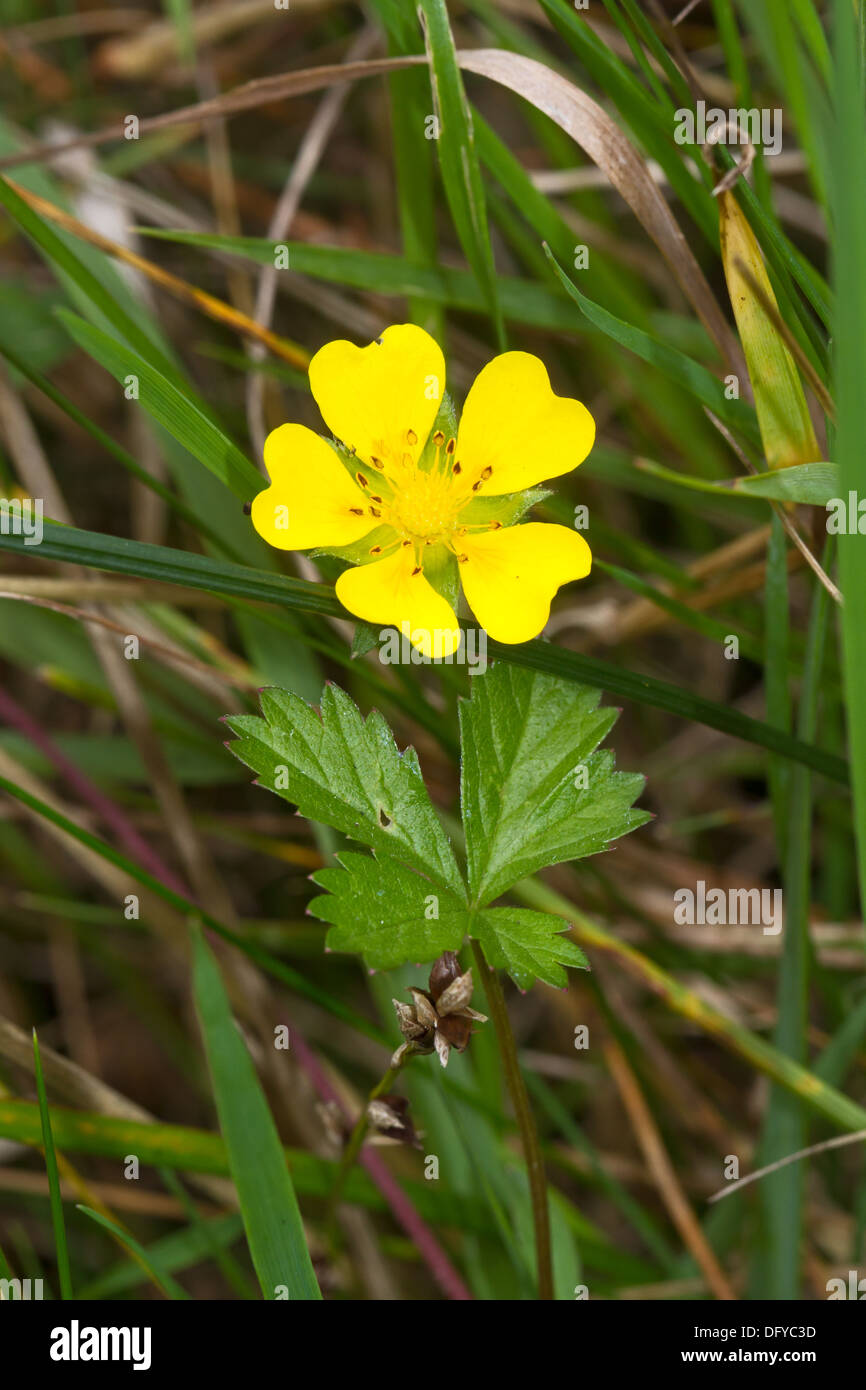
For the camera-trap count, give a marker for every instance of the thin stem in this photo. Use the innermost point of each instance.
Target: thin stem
(525, 1121)
(356, 1138)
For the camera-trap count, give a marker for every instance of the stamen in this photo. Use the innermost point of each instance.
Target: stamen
(362, 480)
(451, 446)
(495, 525)
(374, 498)
(438, 439)
(374, 511)
(458, 468)
(485, 474)
(377, 463)
(405, 542)
(357, 511)
(476, 486)
(376, 550)
(416, 570)
(411, 437)
(461, 559)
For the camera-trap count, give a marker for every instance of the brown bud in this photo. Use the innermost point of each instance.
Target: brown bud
(445, 970)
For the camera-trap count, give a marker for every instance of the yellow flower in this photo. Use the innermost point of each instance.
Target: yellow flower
(410, 500)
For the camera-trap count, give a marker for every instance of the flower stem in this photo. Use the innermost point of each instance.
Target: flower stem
(356, 1138)
(525, 1121)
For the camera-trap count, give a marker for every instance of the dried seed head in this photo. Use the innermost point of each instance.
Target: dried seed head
(406, 1019)
(443, 1048)
(456, 996)
(390, 1115)
(455, 1029)
(424, 1010)
(444, 972)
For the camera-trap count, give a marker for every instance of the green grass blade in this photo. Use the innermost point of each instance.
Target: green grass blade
(849, 206)
(272, 1220)
(65, 260)
(197, 571)
(520, 300)
(458, 162)
(675, 364)
(783, 1193)
(170, 1287)
(293, 978)
(57, 1221)
(185, 421)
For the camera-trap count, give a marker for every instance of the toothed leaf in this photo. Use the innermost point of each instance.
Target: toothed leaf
(529, 945)
(387, 913)
(347, 772)
(534, 790)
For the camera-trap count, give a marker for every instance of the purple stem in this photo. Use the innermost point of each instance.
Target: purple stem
(117, 821)
(108, 811)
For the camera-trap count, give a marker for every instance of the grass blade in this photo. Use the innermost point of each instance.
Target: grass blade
(197, 571)
(272, 1221)
(170, 1287)
(57, 1221)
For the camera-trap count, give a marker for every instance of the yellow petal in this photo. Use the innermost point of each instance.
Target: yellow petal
(514, 425)
(389, 592)
(510, 576)
(381, 400)
(312, 500)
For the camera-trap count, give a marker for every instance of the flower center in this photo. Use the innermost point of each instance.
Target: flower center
(424, 503)
(425, 510)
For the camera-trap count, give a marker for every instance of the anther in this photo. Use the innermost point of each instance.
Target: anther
(405, 542)
(352, 451)
(451, 446)
(411, 437)
(357, 511)
(374, 498)
(476, 486)
(486, 474)
(377, 463)
(362, 480)
(495, 525)
(458, 467)
(374, 511)
(461, 559)
(416, 570)
(438, 439)
(376, 550)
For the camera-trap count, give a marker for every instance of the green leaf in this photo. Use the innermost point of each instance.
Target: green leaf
(813, 484)
(527, 944)
(381, 909)
(272, 1221)
(534, 790)
(347, 772)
